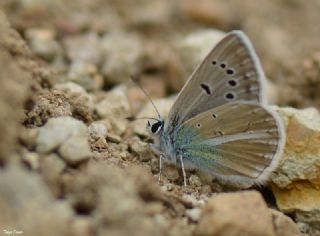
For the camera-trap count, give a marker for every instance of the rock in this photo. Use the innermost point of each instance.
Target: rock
(57, 131)
(59, 102)
(46, 105)
(195, 46)
(163, 106)
(43, 43)
(103, 187)
(75, 94)
(113, 138)
(97, 130)
(84, 48)
(51, 167)
(66, 134)
(194, 214)
(151, 15)
(296, 183)
(142, 149)
(31, 159)
(71, 87)
(122, 53)
(209, 13)
(235, 214)
(75, 149)
(23, 194)
(195, 181)
(283, 225)
(82, 226)
(115, 107)
(171, 172)
(86, 75)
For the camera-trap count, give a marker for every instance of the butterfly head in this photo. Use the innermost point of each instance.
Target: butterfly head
(155, 126)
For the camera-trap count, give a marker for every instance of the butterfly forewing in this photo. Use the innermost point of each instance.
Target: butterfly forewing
(239, 142)
(231, 72)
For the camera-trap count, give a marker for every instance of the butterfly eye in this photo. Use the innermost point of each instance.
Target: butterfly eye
(156, 127)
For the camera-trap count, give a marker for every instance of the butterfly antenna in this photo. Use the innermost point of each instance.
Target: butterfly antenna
(142, 118)
(135, 80)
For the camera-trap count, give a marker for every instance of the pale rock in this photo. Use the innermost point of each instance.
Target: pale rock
(115, 107)
(195, 181)
(66, 134)
(27, 205)
(122, 53)
(114, 199)
(75, 89)
(85, 74)
(51, 167)
(283, 225)
(140, 148)
(194, 214)
(195, 46)
(113, 138)
(82, 226)
(240, 213)
(75, 149)
(170, 171)
(70, 86)
(151, 14)
(97, 130)
(31, 159)
(163, 105)
(84, 48)
(43, 43)
(296, 183)
(56, 131)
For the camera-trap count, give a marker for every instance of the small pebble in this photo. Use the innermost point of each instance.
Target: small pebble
(97, 130)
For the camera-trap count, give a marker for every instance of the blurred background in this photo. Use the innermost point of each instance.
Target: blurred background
(72, 163)
(161, 40)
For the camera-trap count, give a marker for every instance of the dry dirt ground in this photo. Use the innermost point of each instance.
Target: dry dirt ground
(72, 163)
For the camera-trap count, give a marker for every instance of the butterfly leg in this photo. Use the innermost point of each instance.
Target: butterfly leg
(183, 171)
(160, 167)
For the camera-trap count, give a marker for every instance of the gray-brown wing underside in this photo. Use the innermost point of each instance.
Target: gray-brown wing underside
(239, 142)
(230, 72)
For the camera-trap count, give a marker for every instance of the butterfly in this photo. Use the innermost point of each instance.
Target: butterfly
(219, 123)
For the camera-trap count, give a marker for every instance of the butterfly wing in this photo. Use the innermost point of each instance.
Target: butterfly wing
(230, 72)
(238, 142)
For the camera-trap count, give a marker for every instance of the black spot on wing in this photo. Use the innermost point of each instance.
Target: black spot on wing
(230, 96)
(206, 89)
(230, 71)
(232, 83)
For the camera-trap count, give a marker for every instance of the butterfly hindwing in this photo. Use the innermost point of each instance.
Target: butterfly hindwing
(238, 142)
(231, 72)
